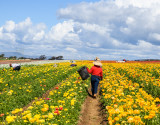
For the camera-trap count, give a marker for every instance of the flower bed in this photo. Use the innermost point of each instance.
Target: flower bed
(62, 106)
(126, 103)
(17, 89)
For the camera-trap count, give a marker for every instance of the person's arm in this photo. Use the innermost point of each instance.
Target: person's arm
(90, 71)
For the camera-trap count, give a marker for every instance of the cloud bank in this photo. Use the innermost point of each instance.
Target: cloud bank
(109, 29)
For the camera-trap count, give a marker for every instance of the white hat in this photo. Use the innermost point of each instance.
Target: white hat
(97, 62)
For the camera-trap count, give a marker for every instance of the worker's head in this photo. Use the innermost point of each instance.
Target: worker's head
(10, 65)
(97, 62)
(96, 59)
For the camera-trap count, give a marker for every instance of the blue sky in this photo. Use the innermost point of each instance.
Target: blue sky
(38, 10)
(77, 29)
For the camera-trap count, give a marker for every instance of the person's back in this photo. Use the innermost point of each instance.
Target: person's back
(96, 75)
(15, 66)
(95, 70)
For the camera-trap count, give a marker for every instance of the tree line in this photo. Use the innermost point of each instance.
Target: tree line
(42, 57)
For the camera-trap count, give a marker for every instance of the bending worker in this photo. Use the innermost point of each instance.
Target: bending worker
(15, 66)
(96, 76)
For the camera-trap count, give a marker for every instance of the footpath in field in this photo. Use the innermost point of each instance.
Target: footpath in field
(91, 112)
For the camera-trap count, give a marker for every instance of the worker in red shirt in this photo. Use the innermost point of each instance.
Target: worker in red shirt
(96, 76)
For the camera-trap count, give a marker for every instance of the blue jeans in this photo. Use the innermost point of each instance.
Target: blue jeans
(94, 84)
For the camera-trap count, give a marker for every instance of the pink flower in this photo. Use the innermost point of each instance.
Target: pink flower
(47, 98)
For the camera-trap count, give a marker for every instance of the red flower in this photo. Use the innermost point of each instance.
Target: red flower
(1, 114)
(56, 112)
(60, 108)
(56, 108)
(57, 87)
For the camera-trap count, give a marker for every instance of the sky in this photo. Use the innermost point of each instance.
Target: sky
(81, 29)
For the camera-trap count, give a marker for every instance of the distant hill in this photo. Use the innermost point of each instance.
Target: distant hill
(17, 54)
(8, 54)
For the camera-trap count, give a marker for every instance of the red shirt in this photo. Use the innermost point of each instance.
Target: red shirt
(96, 70)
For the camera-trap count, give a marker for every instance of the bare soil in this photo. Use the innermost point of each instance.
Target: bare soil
(92, 112)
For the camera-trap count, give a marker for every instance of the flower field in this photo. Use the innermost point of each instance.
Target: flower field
(129, 93)
(17, 89)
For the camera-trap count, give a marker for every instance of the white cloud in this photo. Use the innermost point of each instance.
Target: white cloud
(71, 50)
(38, 36)
(155, 36)
(110, 29)
(136, 3)
(9, 26)
(24, 24)
(59, 31)
(143, 45)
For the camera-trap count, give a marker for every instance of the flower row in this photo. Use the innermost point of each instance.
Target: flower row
(61, 106)
(17, 89)
(125, 101)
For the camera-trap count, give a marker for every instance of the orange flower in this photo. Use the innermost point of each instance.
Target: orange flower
(1, 114)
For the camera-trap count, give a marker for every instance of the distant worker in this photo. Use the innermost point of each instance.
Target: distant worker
(124, 60)
(55, 65)
(73, 63)
(15, 66)
(96, 76)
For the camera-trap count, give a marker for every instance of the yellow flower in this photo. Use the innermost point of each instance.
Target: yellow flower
(10, 118)
(41, 121)
(16, 111)
(29, 115)
(45, 106)
(65, 109)
(30, 107)
(10, 92)
(52, 107)
(108, 107)
(50, 93)
(116, 119)
(72, 102)
(115, 105)
(137, 118)
(37, 116)
(26, 112)
(25, 121)
(146, 117)
(130, 119)
(44, 109)
(136, 111)
(44, 116)
(32, 120)
(50, 115)
(38, 102)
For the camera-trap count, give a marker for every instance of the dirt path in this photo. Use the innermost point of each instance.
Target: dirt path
(91, 113)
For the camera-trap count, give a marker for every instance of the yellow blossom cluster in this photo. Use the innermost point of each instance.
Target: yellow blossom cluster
(126, 102)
